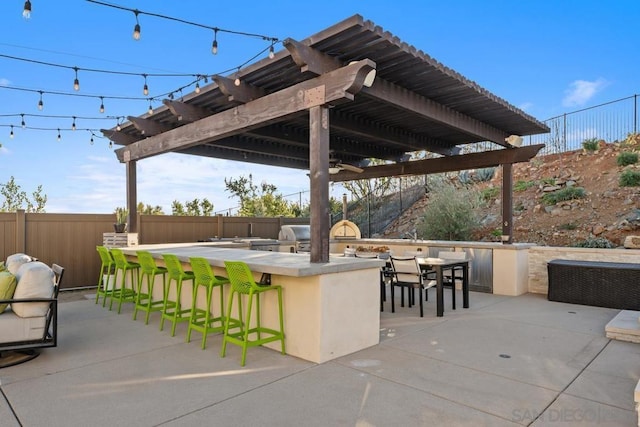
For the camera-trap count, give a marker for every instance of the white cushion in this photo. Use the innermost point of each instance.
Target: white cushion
(35, 280)
(15, 261)
(14, 328)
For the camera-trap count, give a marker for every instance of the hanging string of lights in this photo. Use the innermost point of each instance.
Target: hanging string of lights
(216, 30)
(95, 133)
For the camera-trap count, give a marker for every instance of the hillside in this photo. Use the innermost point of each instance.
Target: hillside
(608, 210)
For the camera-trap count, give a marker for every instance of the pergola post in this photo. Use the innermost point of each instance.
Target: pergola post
(319, 176)
(507, 203)
(132, 197)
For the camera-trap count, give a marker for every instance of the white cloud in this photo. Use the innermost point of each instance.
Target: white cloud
(581, 91)
(525, 106)
(4, 82)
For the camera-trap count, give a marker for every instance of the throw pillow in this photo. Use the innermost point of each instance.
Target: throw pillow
(35, 280)
(2, 266)
(15, 261)
(7, 288)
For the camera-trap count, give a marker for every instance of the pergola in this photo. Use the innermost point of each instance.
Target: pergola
(316, 103)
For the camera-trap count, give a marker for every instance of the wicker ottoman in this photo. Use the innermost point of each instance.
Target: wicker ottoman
(601, 284)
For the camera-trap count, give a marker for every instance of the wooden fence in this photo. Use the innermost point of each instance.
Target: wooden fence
(71, 239)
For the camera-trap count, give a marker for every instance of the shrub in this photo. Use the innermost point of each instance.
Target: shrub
(590, 144)
(485, 174)
(568, 226)
(567, 193)
(595, 242)
(451, 214)
(629, 178)
(464, 177)
(523, 185)
(489, 193)
(627, 158)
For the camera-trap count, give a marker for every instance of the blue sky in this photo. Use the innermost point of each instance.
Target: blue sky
(546, 57)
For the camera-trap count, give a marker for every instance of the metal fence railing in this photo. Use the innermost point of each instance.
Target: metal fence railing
(611, 121)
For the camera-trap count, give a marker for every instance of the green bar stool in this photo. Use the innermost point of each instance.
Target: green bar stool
(144, 300)
(202, 319)
(123, 293)
(107, 268)
(172, 309)
(242, 283)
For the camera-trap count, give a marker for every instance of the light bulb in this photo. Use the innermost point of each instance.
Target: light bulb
(26, 13)
(214, 47)
(150, 110)
(91, 141)
(101, 105)
(73, 125)
(59, 137)
(272, 54)
(76, 84)
(136, 32)
(40, 105)
(197, 87)
(110, 144)
(23, 124)
(145, 89)
(11, 134)
(118, 128)
(237, 81)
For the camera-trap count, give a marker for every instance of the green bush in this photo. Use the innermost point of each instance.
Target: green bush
(489, 193)
(485, 174)
(595, 242)
(627, 158)
(567, 193)
(523, 185)
(590, 144)
(451, 214)
(629, 178)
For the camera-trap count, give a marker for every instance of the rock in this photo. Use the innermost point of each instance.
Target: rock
(632, 242)
(597, 230)
(537, 208)
(550, 188)
(627, 202)
(570, 183)
(557, 211)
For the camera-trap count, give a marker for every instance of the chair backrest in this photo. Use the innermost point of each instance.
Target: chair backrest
(240, 276)
(119, 258)
(406, 269)
(58, 272)
(202, 271)
(174, 267)
(105, 255)
(146, 261)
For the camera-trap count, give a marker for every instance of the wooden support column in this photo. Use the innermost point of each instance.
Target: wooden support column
(132, 197)
(507, 203)
(319, 175)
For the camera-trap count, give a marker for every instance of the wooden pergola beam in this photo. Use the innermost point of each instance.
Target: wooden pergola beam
(317, 62)
(241, 93)
(185, 112)
(407, 100)
(119, 137)
(443, 164)
(148, 127)
(332, 88)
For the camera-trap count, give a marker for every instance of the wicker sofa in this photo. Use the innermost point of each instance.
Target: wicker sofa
(28, 320)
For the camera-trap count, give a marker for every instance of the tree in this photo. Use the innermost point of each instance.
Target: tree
(149, 210)
(260, 200)
(195, 207)
(15, 198)
(177, 208)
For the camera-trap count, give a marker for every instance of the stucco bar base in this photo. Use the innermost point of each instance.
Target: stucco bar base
(330, 310)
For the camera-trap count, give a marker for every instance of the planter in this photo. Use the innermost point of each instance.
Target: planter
(108, 281)
(120, 228)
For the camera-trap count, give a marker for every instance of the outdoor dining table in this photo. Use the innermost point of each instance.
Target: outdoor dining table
(439, 265)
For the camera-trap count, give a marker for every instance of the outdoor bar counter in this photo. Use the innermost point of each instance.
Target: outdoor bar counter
(330, 309)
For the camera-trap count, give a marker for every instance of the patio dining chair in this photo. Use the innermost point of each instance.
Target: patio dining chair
(106, 276)
(407, 274)
(450, 276)
(172, 305)
(148, 272)
(123, 293)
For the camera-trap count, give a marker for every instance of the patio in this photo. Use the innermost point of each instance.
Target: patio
(504, 361)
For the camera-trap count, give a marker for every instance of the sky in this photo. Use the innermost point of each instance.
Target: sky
(546, 57)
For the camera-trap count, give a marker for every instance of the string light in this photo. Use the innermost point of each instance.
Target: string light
(76, 82)
(101, 104)
(73, 125)
(40, 103)
(136, 29)
(59, 137)
(23, 124)
(145, 88)
(150, 108)
(11, 134)
(110, 144)
(214, 46)
(26, 12)
(237, 80)
(91, 140)
(118, 127)
(272, 54)
(197, 87)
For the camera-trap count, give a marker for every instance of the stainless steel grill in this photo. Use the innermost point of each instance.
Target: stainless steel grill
(299, 235)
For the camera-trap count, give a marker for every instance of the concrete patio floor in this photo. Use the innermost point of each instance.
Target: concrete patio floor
(504, 361)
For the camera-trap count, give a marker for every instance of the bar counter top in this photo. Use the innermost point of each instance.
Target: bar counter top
(280, 263)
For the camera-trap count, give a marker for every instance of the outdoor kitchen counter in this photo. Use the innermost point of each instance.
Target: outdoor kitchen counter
(330, 309)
